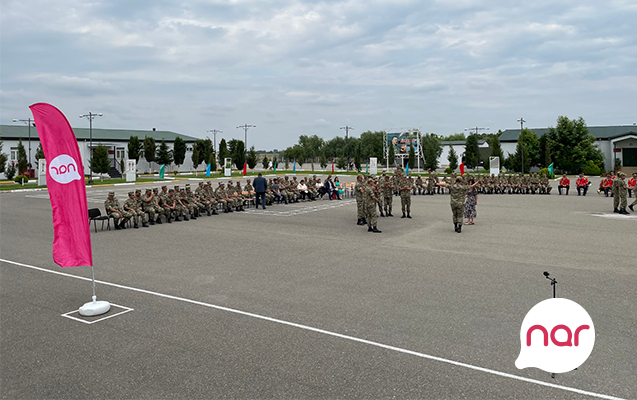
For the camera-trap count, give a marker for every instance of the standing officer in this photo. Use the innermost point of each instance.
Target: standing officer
(370, 200)
(387, 191)
(359, 193)
(457, 194)
(621, 195)
(405, 196)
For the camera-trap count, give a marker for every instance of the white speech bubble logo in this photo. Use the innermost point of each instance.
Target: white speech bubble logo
(557, 336)
(63, 169)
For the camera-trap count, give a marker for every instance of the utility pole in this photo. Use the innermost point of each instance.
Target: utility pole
(476, 129)
(522, 121)
(245, 128)
(90, 117)
(27, 121)
(214, 144)
(347, 129)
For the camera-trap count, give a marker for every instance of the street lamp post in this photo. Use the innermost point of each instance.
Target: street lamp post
(27, 121)
(214, 132)
(90, 117)
(347, 129)
(522, 121)
(245, 128)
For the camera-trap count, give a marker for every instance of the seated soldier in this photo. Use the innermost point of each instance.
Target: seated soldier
(113, 210)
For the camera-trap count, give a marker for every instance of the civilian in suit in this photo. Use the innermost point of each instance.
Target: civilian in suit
(260, 187)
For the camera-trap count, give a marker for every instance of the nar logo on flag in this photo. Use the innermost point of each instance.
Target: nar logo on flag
(63, 169)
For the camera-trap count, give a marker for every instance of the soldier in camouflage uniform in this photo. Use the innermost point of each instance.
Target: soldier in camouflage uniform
(430, 183)
(140, 205)
(162, 203)
(457, 194)
(149, 205)
(405, 196)
(620, 197)
(386, 193)
(131, 205)
(545, 186)
(370, 199)
(212, 198)
(379, 196)
(223, 198)
(190, 207)
(181, 205)
(170, 201)
(192, 200)
(159, 203)
(359, 194)
(201, 196)
(113, 210)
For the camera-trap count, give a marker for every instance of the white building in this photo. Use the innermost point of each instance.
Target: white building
(615, 142)
(115, 140)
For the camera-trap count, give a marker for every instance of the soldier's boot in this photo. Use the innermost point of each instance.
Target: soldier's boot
(359, 222)
(615, 210)
(455, 226)
(375, 230)
(408, 216)
(145, 225)
(117, 228)
(136, 226)
(214, 212)
(390, 214)
(623, 211)
(460, 228)
(370, 229)
(186, 217)
(209, 213)
(381, 214)
(631, 207)
(404, 216)
(158, 221)
(151, 221)
(364, 221)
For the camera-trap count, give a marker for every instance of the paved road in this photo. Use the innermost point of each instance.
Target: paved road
(417, 286)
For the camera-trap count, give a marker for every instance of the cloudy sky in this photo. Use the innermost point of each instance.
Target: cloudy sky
(304, 67)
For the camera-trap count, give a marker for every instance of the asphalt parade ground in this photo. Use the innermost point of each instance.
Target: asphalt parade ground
(298, 302)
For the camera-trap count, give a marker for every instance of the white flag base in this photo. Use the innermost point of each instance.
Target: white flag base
(94, 308)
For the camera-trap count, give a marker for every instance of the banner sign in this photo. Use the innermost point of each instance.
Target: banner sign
(400, 142)
(67, 191)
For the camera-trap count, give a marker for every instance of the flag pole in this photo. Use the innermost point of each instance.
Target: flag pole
(94, 307)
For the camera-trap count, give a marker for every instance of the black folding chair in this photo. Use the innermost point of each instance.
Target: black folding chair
(94, 214)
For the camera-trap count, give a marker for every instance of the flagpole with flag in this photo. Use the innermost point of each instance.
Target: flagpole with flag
(275, 164)
(332, 165)
(208, 170)
(407, 169)
(294, 167)
(161, 171)
(462, 169)
(550, 168)
(245, 168)
(67, 193)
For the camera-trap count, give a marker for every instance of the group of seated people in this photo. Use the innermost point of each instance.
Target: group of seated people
(179, 204)
(606, 185)
(489, 184)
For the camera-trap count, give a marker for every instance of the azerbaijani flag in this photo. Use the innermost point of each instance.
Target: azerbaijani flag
(67, 190)
(550, 168)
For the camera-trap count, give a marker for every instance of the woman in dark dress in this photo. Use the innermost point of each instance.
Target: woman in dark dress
(470, 204)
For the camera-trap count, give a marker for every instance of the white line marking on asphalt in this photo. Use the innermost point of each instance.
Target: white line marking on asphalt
(126, 309)
(329, 333)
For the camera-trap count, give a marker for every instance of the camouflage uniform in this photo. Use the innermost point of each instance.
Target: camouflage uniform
(545, 186)
(386, 190)
(370, 207)
(114, 204)
(180, 205)
(170, 201)
(359, 194)
(133, 206)
(150, 206)
(457, 193)
(201, 195)
(405, 196)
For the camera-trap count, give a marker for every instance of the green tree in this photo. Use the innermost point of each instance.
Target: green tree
(496, 148)
(22, 158)
(455, 136)
(3, 158)
(164, 155)
(472, 151)
(323, 160)
(411, 157)
(357, 157)
(311, 146)
(516, 161)
(100, 163)
(452, 158)
(572, 145)
(39, 154)
(431, 150)
(223, 152)
(265, 161)
(9, 172)
(237, 152)
(391, 158)
(179, 151)
(134, 149)
(252, 158)
(212, 162)
(150, 148)
(196, 160)
(341, 162)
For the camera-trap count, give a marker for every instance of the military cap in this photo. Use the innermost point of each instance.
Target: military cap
(149, 190)
(359, 176)
(155, 190)
(187, 188)
(187, 185)
(111, 193)
(209, 183)
(164, 187)
(621, 173)
(176, 186)
(131, 193)
(138, 191)
(171, 191)
(200, 183)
